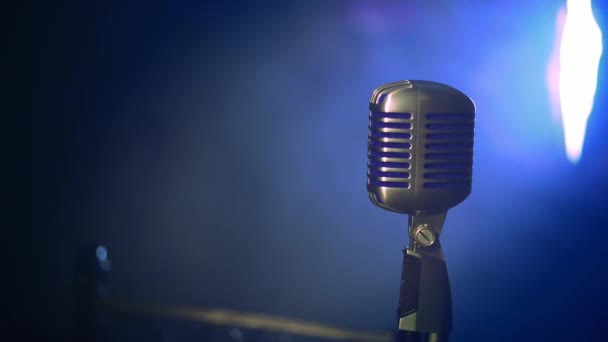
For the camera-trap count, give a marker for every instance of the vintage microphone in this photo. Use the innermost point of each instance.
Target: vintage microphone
(420, 161)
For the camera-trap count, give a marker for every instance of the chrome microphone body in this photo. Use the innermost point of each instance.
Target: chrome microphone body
(420, 163)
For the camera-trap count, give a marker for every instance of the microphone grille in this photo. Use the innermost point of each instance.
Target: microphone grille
(389, 152)
(448, 150)
(420, 146)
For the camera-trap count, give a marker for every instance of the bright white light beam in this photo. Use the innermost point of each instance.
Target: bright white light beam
(580, 52)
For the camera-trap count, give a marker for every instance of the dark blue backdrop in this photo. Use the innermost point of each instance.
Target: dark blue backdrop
(218, 149)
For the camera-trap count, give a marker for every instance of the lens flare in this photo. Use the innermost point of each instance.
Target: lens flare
(579, 57)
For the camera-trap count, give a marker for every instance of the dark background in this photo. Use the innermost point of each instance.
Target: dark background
(218, 150)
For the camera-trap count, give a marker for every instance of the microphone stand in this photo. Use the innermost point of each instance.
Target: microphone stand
(425, 301)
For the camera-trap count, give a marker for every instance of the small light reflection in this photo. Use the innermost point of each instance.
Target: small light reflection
(102, 253)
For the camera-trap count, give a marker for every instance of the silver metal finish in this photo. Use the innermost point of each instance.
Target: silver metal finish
(420, 147)
(424, 235)
(408, 322)
(420, 163)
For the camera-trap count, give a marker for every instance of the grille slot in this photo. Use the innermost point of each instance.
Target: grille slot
(377, 173)
(447, 185)
(382, 136)
(379, 164)
(449, 156)
(392, 145)
(383, 126)
(381, 155)
(389, 145)
(449, 145)
(375, 182)
(447, 136)
(447, 175)
(448, 166)
(404, 116)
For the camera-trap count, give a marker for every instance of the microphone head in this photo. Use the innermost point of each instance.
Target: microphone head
(420, 147)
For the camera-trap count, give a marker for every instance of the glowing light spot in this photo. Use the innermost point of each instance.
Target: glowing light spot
(553, 67)
(579, 57)
(102, 253)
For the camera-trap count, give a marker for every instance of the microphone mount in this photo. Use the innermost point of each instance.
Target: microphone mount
(425, 303)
